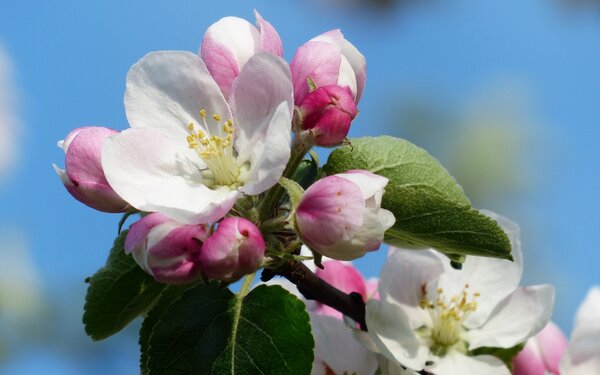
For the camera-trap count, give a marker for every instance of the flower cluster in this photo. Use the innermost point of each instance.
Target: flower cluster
(212, 164)
(210, 136)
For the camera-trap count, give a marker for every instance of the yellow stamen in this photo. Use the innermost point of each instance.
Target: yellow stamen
(215, 151)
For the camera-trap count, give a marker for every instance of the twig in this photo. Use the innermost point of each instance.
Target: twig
(314, 288)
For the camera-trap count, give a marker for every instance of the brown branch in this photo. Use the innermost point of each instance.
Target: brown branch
(314, 288)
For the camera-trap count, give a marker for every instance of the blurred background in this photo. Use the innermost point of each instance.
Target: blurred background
(503, 93)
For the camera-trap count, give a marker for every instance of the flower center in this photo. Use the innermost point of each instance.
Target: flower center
(448, 316)
(216, 152)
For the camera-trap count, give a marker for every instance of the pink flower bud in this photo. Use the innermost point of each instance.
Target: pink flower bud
(84, 177)
(235, 249)
(340, 216)
(542, 353)
(328, 111)
(327, 60)
(165, 248)
(230, 42)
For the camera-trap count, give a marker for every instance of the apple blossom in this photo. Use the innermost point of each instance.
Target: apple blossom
(336, 350)
(84, 177)
(583, 353)
(340, 216)
(190, 154)
(431, 316)
(329, 76)
(166, 249)
(230, 42)
(328, 59)
(235, 249)
(542, 353)
(328, 112)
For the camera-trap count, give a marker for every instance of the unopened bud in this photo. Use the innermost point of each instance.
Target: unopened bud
(235, 249)
(340, 216)
(166, 249)
(83, 176)
(328, 112)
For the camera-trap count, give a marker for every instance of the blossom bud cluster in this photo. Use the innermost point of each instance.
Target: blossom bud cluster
(186, 166)
(175, 253)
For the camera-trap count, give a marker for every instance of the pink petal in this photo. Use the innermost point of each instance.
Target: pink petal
(269, 38)
(318, 60)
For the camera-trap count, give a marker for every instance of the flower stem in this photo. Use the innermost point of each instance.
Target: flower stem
(314, 288)
(246, 285)
(300, 146)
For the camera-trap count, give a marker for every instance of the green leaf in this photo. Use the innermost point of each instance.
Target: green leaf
(118, 293)
(209, 330)
(400, 161)
(293, 189)
(167, 297)
(431, 209)
(425, 218)
(306, 173)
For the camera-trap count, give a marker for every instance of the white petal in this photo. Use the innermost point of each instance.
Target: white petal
(493, 278)
(454, 363)
(262, 102)
(350, 358)
(583, 353)
(582, 357)
(519, 317)
(369, 183)
(63, 175)
(404, 277)
(152, 174)
(358, 63)
(191, 203)
(588, 314)
(390, 330)
(237, 35)
(347, 77)
(166, 91)
(392, 368)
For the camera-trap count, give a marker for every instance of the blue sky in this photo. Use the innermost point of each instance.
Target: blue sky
(70, 60)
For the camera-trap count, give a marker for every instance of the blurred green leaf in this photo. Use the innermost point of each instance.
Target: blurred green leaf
(431, 209)
(209, 330)
(118, 293)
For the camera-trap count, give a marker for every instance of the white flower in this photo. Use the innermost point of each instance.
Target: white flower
(336, 351)
(583, 353)
(189, 153)
(9, 121)
(432, 316)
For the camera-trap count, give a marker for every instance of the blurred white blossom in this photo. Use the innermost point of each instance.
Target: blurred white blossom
(9, 124)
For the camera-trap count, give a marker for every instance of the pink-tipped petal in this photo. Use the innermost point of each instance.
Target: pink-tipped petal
(269, 38)
(84, 176)
(263, 106)
(317, 60)
(221, 63)
(330, 208)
